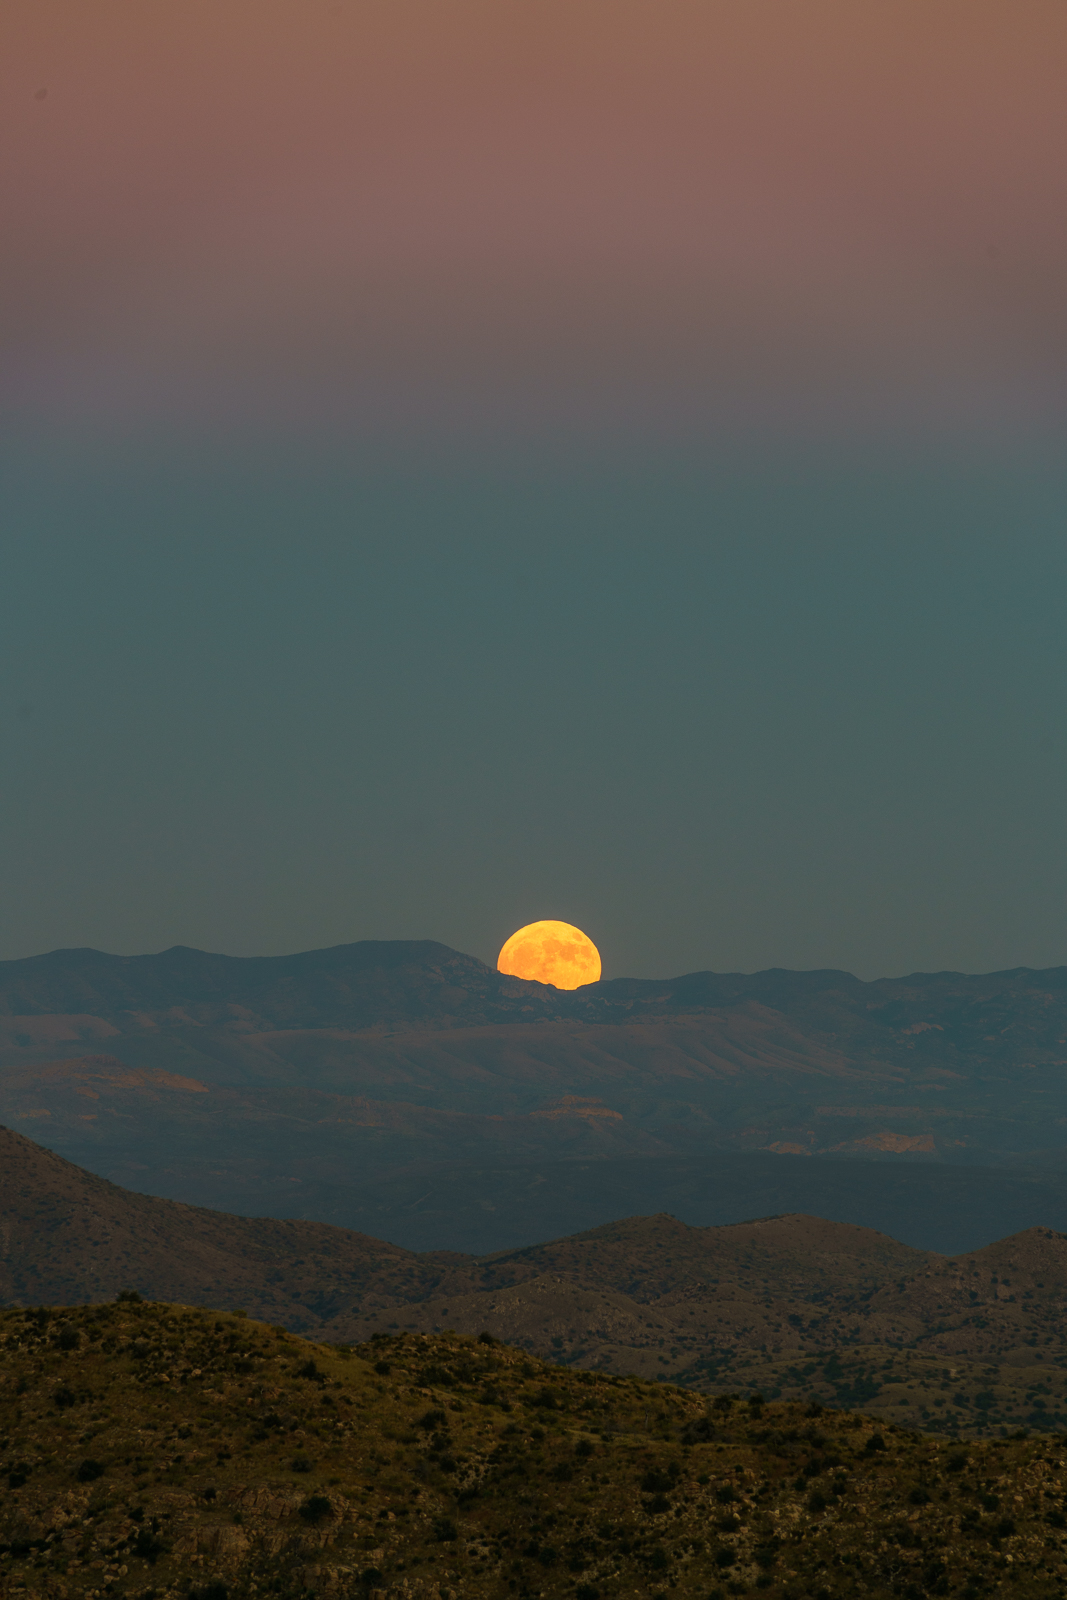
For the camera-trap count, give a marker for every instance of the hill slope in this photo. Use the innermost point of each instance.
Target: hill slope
(68, 1236)
(154, 1449)
(792, 1305)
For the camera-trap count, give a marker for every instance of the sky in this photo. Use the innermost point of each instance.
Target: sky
(469, 463)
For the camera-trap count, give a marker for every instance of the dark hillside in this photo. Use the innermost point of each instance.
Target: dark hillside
(157, 1450)
(69, 1237)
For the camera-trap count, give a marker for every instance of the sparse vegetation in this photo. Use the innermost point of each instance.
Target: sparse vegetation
(618, 1487)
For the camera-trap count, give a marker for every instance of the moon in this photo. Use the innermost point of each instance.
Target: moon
(551, 952)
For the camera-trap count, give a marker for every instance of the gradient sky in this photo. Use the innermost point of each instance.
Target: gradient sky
(467, 463)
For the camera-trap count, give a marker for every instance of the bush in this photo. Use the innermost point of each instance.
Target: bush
(300, 1464)
(875, 1442)
(919, 1496)
(148, 1546)
(316, 1508)
(433, 1419)
(382, 1368)
(69, 1339)
(310, 1370)
(486, 1338)
(434, 1377)
(130, 1297)
(89, 1471)
(63, 1397)
(444, 1530)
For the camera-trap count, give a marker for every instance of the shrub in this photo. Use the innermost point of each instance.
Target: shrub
(300, 1464)
(875, 1442)
(89, 1471)
(444, 1529)
(129, 1297)
(63, 1397)
(434, 1377)
(433, 1419)
(148, 1546)
(316, 1508)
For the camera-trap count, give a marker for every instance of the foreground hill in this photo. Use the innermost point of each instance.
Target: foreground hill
(792, 1305)
(267, 1083)
(154, 1449)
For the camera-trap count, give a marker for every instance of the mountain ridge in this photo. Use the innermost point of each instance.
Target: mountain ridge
(382, 1058)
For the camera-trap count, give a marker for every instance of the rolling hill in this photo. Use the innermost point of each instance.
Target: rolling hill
(790, 1305)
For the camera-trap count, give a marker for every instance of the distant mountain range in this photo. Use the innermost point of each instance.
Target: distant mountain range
(791, 1305)
(313, 1085)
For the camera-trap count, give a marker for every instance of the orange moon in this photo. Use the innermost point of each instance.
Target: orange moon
(551, 952)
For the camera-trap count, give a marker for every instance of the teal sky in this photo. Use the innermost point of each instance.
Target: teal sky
(796, 708)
